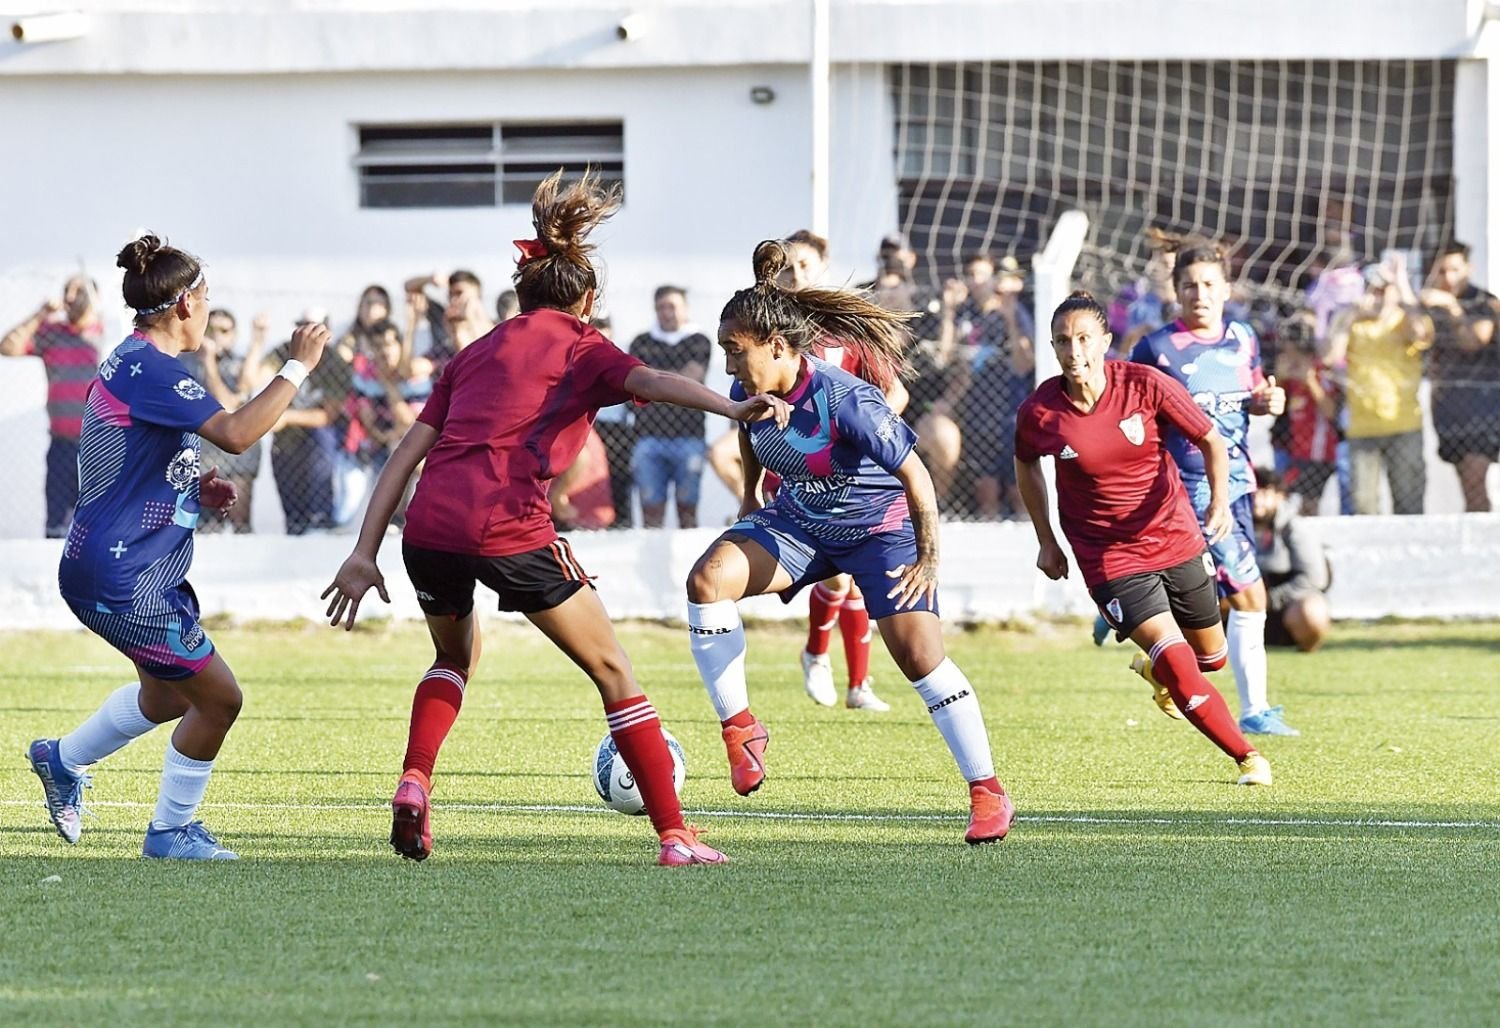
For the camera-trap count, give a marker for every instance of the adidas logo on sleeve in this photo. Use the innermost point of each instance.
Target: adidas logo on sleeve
(1068, 453)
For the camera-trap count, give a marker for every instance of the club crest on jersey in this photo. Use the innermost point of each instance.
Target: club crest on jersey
(190, 390)
(1134, 429)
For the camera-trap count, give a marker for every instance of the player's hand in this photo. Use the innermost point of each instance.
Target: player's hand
(1218, 524)
(354, 579)
(954, 293)
(915, 581)
(1052, 561)
(759, 407)
(216, 493)
(1268, 398)
(308, 343)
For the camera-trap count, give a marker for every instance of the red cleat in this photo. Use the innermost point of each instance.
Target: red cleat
(747, 752)
(411, 833)
(990, 814)
(680, 848)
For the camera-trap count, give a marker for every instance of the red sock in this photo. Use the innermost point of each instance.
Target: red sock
(1174, 665)
(854, 626)
(744, 719)
(637, 734)
(822, 615)
(433, 710)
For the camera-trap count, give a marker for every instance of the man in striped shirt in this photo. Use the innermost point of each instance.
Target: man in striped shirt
(65, 335)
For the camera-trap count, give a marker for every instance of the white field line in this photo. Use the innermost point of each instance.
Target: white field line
(765, 815)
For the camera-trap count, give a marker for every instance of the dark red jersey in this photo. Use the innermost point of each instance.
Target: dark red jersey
(1119, 498)
(512, 411)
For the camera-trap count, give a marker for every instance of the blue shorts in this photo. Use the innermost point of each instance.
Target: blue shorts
(660, 462)
(162, 636)
(810, 560)
(1234, 555)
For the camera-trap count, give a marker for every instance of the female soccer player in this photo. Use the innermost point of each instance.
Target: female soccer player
(511, 411)
(854, 498)
(1219, 363)
(1122, 506)
(125, 563)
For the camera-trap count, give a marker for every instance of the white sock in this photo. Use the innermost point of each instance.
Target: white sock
(955, 710)
(1247, 656)
(109, 728)
(183, 781)
(718, 640)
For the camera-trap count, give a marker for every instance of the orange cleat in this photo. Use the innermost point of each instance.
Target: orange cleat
(747, 752)
(990, 814)
(680, 848)
(411, 833)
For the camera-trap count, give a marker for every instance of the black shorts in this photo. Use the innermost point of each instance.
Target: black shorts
(1188, 592)
(527, 583)
(1476, 439)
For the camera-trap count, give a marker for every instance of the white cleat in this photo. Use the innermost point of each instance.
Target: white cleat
(862, 697)
(817, 679)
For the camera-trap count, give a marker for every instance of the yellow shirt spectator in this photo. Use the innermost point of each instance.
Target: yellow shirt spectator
(1384, 358)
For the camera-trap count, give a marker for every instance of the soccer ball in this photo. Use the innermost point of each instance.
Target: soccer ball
(616, 785)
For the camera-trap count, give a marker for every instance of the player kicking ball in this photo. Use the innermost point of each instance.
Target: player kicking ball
(507, 414)
(854, 498)
(124, 565)
(1122, 506)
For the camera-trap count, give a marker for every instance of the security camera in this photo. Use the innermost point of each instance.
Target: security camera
(632, 26)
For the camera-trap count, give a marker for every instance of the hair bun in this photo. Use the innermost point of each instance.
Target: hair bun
(1081, 294)
(769, 259)
(137, 254)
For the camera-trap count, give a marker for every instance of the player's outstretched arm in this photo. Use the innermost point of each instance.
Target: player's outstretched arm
(1217, 524)
(751, 497)
(359, 572)
(666, 387)
(920, 578)
(1032, 484)
(237, 431)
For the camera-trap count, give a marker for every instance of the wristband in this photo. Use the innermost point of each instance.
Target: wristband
(295, 372)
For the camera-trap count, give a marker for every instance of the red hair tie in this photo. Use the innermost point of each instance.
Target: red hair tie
(531, 250)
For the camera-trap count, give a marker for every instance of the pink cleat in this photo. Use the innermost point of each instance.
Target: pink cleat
(680, 848)
(990, 815)
(411, 832)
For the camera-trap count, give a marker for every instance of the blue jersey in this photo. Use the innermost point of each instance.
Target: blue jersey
(836, 455)
(1220, 374)
(132, 536)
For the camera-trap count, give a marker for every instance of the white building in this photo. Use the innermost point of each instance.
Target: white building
(253, 133)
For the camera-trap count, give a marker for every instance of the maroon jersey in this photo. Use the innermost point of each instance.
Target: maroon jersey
(512, 411)
(1119, 498)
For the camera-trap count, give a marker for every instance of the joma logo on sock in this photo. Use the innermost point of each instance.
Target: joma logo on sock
(709, 631)
(951, 699)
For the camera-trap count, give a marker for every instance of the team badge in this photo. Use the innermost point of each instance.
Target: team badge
(183, 469)
(190, 390)
(1134, 429)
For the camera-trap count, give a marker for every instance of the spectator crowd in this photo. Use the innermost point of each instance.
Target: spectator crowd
(1352, 353)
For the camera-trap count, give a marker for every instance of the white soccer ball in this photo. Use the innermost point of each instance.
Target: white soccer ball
(616, 785)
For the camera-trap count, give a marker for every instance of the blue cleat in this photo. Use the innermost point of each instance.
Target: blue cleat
(1267, 722)
(1101, 630)
(63, 789)
(190, 842)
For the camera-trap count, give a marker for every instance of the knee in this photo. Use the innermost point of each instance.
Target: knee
(703, 583)
(1308, 621)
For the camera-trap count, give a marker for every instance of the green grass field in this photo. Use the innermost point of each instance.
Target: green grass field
(1138, 886)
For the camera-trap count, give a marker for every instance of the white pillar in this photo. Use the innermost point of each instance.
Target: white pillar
(817, 66)
(1476, 150)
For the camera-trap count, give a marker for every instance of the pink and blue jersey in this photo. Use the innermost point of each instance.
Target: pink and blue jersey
(836, 456)
(1220, 374)
(132, 536)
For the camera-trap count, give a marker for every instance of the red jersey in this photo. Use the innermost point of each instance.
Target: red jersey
(512, 410)
(1119, 498)
(1310, 436)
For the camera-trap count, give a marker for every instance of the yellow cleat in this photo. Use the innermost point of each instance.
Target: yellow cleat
(1255, 770)
(1141, 665)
